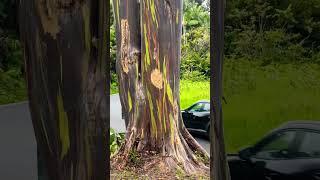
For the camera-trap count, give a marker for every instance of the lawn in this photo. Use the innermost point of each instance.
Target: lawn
(260, 99)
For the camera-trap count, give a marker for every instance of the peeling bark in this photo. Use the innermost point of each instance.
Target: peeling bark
(149, 85)
(64, 52)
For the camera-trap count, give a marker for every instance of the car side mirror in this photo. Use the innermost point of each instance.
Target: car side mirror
(246, 153)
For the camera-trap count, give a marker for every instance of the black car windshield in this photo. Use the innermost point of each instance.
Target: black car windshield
(276, 146)
(200, 107)
(290, 145)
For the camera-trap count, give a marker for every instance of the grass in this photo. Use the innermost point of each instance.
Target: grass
(260, 99)
(190, 92)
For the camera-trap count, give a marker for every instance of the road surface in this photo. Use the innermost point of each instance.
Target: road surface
(18, 152)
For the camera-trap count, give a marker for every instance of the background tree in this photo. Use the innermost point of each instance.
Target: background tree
(148, 63)
(218, 158)
(65, 57)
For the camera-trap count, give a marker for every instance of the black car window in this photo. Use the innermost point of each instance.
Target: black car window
(277, 147)
(199, 107)
(310, 146)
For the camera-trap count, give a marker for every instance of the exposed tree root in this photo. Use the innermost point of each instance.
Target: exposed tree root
(155, 166)
(183, 153)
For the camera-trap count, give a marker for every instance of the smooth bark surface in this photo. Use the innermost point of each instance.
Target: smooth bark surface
(65, 59)
(218, 161)
(148, 68)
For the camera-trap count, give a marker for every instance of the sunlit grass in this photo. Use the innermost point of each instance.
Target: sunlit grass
(262, 99)
(190, 92)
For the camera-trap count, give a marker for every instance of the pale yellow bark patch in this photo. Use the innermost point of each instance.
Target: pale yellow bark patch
(48, 18)
(124, 45)
(156, 78)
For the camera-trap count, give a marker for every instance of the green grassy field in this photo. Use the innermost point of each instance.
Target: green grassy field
(263, 98)
(190, 92)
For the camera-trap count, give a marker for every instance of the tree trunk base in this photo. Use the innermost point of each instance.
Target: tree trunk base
(148, 165)
(185, 155)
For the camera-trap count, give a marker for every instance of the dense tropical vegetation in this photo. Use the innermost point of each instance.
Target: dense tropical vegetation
(271, 56)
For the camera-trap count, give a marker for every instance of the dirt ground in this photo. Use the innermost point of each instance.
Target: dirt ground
(152, 168)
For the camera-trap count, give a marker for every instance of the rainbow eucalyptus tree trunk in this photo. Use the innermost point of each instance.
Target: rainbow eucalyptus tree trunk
(64, 51)
(148, 68)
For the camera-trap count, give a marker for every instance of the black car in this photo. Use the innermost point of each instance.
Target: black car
(291, 152)
(196, 118)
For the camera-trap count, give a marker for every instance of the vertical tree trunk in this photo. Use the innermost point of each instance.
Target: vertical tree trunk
(148, 68)
(220, 169)
(64, 50)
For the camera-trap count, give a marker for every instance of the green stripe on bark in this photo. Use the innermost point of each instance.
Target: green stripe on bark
(117, 12)
(153, 12)
(171, 128)
(147, 57)
(63, 127)
(169, 93)
(153, 121)
(129, 101)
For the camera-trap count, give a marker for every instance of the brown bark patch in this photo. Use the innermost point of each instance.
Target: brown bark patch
(156, 78)
(48, 17)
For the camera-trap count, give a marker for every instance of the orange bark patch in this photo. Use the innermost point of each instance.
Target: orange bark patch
(156, 78)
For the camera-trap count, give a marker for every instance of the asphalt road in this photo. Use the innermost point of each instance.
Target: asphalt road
(18, 151)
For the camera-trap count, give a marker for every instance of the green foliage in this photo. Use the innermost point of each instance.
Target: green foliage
(134, 157)
(195, 55)
(113, 52)
(195, 15)
(273, 31)
(116, 140)
(204, 159)
(12, 87)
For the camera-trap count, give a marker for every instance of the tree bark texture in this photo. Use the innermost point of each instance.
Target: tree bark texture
(65, 57)
(218, 160)
(148, 68)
